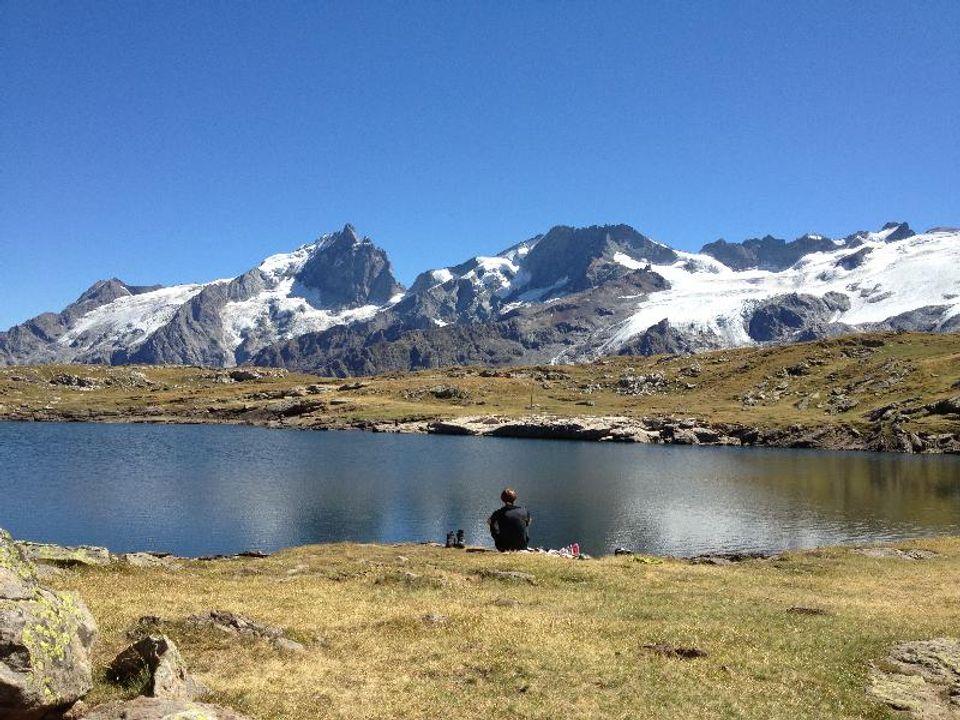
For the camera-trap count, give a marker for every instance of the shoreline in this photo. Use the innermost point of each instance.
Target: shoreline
(647, 430)
(93, 555)
(890, 392)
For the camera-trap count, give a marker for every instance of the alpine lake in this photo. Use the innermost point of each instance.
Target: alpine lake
(206, 489)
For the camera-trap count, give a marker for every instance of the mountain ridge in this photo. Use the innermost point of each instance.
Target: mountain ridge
(567, 295)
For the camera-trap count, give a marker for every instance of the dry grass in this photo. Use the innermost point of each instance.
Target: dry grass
(569, 646)
(875, 370)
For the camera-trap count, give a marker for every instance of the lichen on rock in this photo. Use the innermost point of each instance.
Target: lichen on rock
(45, 638)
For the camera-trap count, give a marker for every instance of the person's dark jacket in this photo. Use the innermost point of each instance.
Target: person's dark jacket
(508, 526)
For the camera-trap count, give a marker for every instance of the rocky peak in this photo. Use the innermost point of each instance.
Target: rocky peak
(901, 231)
(346, 270)
(566, 258)
(766, 253)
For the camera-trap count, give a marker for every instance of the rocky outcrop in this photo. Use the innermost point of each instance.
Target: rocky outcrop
(921, 678)
(766, 253)
(692, 431)
(567, 259)
(45, 641)
(64, 556)
(161, 709)
(234, 624)
(348, 271)
(156, 662)
(782, 317)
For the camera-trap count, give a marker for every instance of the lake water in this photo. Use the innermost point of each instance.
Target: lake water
(198, 490)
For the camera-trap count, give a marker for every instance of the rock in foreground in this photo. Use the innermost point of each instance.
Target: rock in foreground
(45, 640)
(161, 709)
(922, 678)
(156, 659)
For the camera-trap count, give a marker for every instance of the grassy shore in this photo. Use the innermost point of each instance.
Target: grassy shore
(831, 383)
(425, 632)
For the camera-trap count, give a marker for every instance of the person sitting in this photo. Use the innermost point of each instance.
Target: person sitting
(509, 524)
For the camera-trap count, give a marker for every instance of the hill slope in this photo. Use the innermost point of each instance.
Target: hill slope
(879, 391)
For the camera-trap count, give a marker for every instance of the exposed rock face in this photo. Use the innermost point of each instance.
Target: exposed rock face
(901, 231)
(349, 271)
(574, 259)
(161, 709)
(766, 253)
(157, 659)
(662, 338)
(45, 640)
(783, 316)
(855, 259)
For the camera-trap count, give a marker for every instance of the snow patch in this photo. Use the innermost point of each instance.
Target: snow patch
(128, 320)
(894, 278)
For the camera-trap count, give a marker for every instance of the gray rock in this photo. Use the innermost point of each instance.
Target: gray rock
(234, 624)
(509, 576)
(888, 552)
(920, 677)
(161, 709)
(349, 271)
(766, 253)
(155, 660)
(65, 555)
(148, 560)
(434, 619)
(45, 641)
(784, 316)
(854, 260)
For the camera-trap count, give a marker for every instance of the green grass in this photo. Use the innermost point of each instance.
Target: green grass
(569, 646)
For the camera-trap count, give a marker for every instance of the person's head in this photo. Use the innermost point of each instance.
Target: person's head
(508, 496)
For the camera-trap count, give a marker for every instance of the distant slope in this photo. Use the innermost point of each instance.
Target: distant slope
(874, 391)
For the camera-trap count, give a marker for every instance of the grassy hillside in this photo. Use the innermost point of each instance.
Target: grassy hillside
(424, 632)
(832, 382)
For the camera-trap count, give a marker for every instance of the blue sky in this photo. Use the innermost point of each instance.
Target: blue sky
(184, 141)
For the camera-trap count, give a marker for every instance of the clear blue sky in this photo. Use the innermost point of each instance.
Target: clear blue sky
(184, 141)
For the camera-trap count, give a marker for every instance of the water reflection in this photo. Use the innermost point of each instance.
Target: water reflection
(206, 489)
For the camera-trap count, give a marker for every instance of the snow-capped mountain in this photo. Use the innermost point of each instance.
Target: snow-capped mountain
(340, 278)
(568, 295)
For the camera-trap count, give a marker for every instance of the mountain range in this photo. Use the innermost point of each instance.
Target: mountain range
(335, 307)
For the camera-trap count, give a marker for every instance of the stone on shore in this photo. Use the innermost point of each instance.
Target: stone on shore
(149, 560)
(161, 709)
(45, 640)
(65, 556)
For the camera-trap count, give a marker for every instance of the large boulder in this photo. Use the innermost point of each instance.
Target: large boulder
(64, 556)
(161, 709)
(156, 660)
(45, 640)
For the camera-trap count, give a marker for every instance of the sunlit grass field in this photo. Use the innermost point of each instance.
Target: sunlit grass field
(425, 632)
